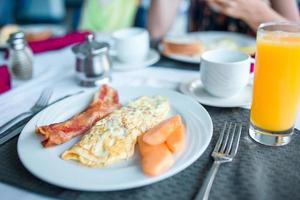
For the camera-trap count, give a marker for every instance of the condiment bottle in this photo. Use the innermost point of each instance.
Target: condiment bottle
(93, 62)
(20, 56)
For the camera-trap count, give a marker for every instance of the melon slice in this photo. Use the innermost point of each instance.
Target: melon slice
(157, 161)
(176, 140)
(160, 133)
(145, 148)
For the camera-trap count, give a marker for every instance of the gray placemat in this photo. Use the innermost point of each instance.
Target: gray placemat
(258, 172)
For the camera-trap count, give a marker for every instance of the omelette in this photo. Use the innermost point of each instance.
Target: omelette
(113, 138)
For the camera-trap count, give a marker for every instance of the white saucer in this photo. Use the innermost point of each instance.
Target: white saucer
(152, 57)
(196, 90)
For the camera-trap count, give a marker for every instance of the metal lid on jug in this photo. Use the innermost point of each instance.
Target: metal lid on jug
(90, 47)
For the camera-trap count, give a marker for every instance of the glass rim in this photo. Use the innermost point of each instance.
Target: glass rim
(278, 23)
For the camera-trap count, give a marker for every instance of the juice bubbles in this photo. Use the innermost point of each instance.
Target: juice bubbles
(276, 92)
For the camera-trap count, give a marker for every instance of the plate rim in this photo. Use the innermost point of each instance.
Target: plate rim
(198, 33)
(150, 180)
(180, 58)
(144, 63)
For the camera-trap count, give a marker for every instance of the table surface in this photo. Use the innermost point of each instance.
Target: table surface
(48, 67)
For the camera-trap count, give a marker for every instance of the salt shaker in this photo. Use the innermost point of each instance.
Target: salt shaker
(20, 56)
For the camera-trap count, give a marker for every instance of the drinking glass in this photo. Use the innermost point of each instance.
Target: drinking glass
(276, 89)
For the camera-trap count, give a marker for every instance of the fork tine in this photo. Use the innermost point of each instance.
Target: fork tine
(40, 98)
(226, 138)
(45, 95)
(229, 145)
(236, 141)
(219, 142)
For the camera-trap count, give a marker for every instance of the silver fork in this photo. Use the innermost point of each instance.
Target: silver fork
(224, 151)
(39, 105)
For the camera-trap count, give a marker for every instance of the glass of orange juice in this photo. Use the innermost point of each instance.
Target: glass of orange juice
(276, 89)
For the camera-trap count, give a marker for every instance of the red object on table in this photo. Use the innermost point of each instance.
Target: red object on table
(252, 64)
(58, 42)
(5, 79)
(252, 68)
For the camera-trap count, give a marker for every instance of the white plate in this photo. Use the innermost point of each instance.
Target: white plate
(55, 29)
(196, 90)
(47, 165)
(152, 57)
(208, 37)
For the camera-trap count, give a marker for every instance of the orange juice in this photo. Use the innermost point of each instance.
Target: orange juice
(276, 93)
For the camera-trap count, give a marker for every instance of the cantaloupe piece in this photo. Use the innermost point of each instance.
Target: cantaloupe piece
(159, 133)
(145, 148)
(157, 161)
(176, 140)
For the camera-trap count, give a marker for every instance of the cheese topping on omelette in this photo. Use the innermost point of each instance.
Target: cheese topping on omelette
(113, 138)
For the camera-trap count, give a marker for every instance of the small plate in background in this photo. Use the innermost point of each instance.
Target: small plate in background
(152, 57)
(214, 40)
(56, 30)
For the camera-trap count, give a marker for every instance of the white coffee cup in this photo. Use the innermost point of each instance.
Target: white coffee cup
(131, 45)
(224, 73)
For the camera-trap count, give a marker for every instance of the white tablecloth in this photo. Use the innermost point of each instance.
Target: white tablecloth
(56, 70)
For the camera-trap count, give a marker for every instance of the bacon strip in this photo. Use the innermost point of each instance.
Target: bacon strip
(105, 101)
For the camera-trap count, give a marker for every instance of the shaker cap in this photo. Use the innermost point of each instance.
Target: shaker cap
(90, 46)
(17, 40)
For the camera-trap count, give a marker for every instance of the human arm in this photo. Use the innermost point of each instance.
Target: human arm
(161, 16)
(287, 9)
(255, 12)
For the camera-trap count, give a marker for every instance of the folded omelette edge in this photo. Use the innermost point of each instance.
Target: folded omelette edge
(113, 138)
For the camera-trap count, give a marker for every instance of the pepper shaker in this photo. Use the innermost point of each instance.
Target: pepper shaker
(20, 56)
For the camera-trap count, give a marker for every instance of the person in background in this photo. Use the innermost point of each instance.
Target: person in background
(242, 16)
(108, 15)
